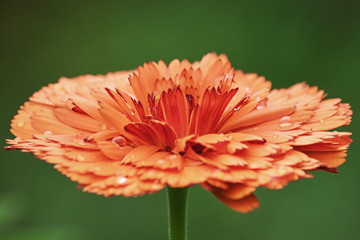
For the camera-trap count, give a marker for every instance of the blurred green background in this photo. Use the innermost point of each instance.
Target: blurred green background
(286, 41)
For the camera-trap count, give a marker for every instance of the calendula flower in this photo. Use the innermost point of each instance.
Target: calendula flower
(177, 125)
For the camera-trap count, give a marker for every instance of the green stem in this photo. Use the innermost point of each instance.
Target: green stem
(177, 213)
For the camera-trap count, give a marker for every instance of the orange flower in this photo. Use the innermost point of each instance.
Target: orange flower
(132, 133)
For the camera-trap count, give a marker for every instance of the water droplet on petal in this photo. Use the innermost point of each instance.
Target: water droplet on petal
(80, 135)
(228, 76)
(285, 121)
(172, 157)
(155, 92)
(103, 126)
(121, 180)
(218, 173)
(133, 145)
(121, 141)
(275, 136)
(150, 110)
(80, 158)
(189, 98)
(248, 91)
(322, 121)
(150, 117)
(58, 87)
(261, 105)
(236, 109)
(48, 132)
(20, 124)
(282, 171)
(132, 111)
(160, 162)
(80, 142)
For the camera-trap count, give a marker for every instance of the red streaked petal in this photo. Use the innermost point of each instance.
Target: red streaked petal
(211, 108)
(175, 111)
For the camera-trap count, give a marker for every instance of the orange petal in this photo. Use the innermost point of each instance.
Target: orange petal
(139, 153)
(77, 120)
(243, 205)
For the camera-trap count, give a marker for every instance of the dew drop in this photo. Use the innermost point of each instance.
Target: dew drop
(20, 124)
(322, 121)
(79, 135)
(236, 109)
(189, 98)
(150, 117)
(261, 105)
(160, 162)
(218, 173)
(48, 132)
(151, 109)
(132, 111)
(58, 87)
(121, 180)
(155, 92)
(172, 157)
(275, 136)
(227, 76)
(80, 142)
(285, 121)
(120, 141)
(282, 171)
(248, 91)
(80, 158)
(103, 126)
(133, 145)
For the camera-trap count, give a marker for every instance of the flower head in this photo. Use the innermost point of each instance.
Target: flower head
(132, 133)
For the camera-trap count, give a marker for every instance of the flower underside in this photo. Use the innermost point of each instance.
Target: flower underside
(132, 133)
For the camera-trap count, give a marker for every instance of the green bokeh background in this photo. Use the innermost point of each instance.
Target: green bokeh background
(286, 41)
